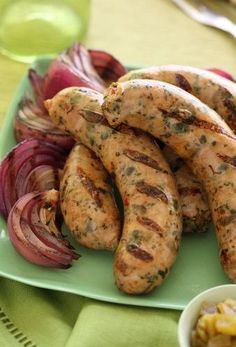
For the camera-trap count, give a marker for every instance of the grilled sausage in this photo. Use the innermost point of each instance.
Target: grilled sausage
(198, 134)
(152, 216)
(193, 199)
(86, 200)
(215, 91)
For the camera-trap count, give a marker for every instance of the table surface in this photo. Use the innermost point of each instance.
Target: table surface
(142, 33)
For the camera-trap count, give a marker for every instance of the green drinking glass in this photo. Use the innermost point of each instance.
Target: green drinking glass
(30, 29)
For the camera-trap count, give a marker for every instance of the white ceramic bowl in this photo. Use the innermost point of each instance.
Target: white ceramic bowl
(190, 314)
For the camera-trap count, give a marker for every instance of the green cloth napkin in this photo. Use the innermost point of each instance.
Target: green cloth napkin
(38, 317)
(138, 33)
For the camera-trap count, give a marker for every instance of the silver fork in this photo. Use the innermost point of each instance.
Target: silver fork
(202, 14)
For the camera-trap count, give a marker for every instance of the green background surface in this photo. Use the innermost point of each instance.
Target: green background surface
(143, 33)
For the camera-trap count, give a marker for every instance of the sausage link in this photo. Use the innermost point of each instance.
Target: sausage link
(86, 200)
(152, 216)
(215, 91)
(193, 199)
(198, 134)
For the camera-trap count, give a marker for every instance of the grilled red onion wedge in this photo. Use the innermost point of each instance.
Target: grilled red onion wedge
(34, 230)
(75, 67)
(72, 68)
(37, 85)
(107, 66)
(32, 165)
(79, 67)
(222, 73)
(33, 122)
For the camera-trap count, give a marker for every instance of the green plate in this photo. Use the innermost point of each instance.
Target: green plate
(196, 269)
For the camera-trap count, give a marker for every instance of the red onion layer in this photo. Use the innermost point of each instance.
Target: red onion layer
(107, 66)
(26, 168)
(34, 230)
(76, 66)
(33, 122)
(222, 73)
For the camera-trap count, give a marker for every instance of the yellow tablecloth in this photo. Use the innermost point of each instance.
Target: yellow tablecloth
(137, 32)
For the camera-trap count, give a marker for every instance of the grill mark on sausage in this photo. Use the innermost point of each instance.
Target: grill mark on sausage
(227, 159)
(225, 257)
(213, 171)
(221, 209)
(150, 224)
(144, 159)
(152, 191)
(121, 266)
(93, 117)
(228, 101)
(232, 123)
(230, 105)
(139, 253)
(186, 117)
(176, 164)
(125, 129)
(186, 191)
(227, 220)
(182, 82)
(90, 186)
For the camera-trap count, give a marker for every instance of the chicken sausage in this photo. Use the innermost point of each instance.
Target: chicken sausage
(152, 215)
(198, 134)
(215, 91)
(86, 201)
(193, 199)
